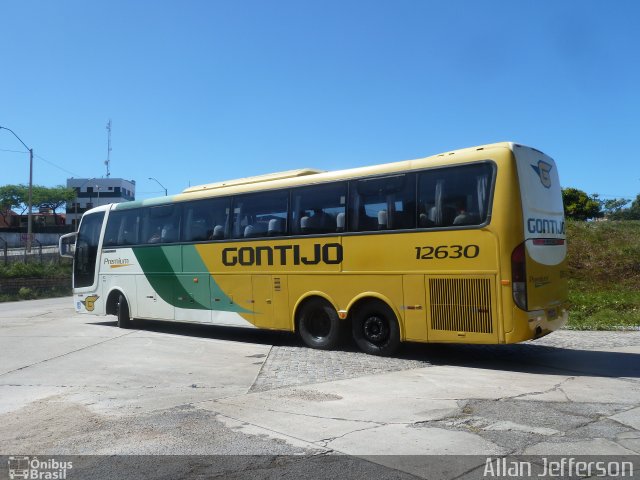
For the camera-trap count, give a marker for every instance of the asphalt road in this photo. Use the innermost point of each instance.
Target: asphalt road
(78, 385)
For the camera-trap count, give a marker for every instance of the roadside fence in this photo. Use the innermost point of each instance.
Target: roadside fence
(39, 253)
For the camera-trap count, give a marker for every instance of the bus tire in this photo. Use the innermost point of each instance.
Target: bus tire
(319, 325)
(122, 312)
(375, 329)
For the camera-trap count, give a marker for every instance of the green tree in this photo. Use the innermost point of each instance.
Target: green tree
(613, 207)
(633, 212)
(12, 196)
(580, 206)
(53, 198)
(17, 197)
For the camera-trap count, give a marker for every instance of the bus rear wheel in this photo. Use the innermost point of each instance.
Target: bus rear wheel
(375, 329)
(122, 312)
(319, 325)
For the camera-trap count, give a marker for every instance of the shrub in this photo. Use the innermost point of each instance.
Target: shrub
(26, 293)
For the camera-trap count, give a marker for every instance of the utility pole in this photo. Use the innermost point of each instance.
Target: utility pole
(30, 201)
(108, 161)
(30, 214)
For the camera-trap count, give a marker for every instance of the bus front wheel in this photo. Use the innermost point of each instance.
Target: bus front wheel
(375, 329)
(319, 325)
(122, 312)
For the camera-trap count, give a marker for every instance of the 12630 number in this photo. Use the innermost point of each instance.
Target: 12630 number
(447, 251)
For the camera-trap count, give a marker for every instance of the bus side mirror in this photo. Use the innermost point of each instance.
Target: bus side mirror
(67, 245)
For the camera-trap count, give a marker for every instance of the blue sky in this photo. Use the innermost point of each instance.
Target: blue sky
(203, 91)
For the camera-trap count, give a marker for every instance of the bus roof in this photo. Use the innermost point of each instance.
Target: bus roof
(308, 176)
(256, 179)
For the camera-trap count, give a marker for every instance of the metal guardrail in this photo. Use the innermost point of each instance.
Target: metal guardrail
(5, 250)
(40, 254)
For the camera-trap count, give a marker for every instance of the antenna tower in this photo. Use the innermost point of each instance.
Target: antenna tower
(108, 160)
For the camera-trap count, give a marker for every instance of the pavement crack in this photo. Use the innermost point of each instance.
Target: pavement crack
(43, 314)
(321, 417)
(627, 446)
(556, 388)
(66, 353)
(261, 427)
(325, 441)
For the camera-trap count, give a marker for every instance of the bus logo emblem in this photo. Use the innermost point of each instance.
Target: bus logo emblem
(89, 302)
(542, 169)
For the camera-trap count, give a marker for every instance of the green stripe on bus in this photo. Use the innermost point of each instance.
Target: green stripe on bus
(160, 266)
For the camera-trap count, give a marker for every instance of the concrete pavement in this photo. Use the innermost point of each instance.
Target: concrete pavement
(73, 384)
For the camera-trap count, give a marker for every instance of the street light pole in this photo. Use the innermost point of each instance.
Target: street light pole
(30, 215)
(30, 200)
(163, 187)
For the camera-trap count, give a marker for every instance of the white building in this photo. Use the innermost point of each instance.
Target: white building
(91, 192)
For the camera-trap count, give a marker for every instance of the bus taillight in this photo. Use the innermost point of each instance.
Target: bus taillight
(519, 276)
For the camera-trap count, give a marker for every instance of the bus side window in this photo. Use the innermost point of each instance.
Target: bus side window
(383, 203)
(122, 228)
(161, 224)
(254, 212)
(316, 208)
(454, 196)
(128, 234)
(114, 225)
(206, 219)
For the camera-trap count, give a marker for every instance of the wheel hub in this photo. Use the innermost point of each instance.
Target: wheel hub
(375, 329)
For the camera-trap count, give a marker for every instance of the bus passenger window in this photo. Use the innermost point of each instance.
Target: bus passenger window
(253, 214)
(316, 208)
(122, 228)
(383, 203)
(206, 220)
(160, 224)
(454, 196)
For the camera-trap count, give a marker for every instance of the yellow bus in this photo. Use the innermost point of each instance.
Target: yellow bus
(466, 246)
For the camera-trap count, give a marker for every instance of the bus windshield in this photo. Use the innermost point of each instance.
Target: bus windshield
(84, 265)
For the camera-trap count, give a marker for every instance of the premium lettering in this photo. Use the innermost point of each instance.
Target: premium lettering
(116, 261)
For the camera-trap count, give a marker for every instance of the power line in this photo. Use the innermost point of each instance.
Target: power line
(43, 159)
(13, 151)
(57, 166)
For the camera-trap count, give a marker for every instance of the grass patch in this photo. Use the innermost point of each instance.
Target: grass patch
(20, 270)
(604, 267)
(603, 309)
(31, 294)
(35, 270)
